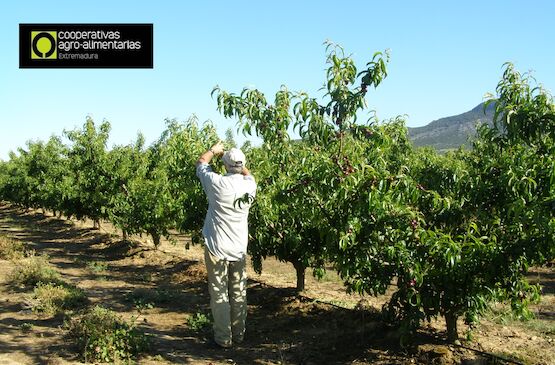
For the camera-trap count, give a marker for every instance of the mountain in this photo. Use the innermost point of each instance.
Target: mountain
(451, 132)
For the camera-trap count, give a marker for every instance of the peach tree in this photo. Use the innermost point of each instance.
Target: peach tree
(475, 223)
(301, 181)
(128, 165)
(162, 193)
(87, 154)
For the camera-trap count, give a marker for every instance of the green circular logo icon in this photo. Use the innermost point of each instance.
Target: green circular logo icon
(43, 45)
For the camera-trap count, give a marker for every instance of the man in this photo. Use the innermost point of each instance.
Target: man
(225, 234)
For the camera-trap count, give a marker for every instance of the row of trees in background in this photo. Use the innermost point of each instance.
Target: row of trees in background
(141, 190)
(453, 232)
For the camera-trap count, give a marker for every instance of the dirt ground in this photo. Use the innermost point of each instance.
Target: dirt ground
(323, 326)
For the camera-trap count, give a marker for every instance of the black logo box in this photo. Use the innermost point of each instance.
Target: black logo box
(142, 58)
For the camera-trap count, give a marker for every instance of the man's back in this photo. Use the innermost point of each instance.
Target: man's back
(226, 224)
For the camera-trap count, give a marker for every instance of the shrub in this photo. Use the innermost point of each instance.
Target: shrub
(102, 335)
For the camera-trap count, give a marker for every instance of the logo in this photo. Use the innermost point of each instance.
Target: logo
(86, 45)
(44, 45)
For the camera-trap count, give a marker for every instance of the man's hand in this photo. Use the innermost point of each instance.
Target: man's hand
(215, 150)
(218, 148)
(245, 171)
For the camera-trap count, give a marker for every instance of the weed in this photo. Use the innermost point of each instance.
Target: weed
(145, 276)
(344, 304)
(198, 321)
(31, 270)
(11, 249)
(103, 336)
(26, 327)
(51, 299)
(141, 306)
(152, 296)
(97, 266)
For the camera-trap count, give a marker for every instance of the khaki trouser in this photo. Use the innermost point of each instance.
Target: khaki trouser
(227, 284)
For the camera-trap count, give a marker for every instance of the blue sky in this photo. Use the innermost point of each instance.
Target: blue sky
(445, 55)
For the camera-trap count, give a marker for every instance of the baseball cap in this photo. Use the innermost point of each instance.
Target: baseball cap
(234, 157)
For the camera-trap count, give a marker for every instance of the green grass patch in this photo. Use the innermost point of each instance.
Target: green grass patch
(503, 315)
(326, 276)
(103, 336)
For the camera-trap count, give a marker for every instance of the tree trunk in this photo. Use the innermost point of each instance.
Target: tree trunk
(125, 234)
(96, 224)
(451, 322)
(155, 239)
(300, 269)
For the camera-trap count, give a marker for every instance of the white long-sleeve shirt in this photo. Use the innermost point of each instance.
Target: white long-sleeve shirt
(226, 226)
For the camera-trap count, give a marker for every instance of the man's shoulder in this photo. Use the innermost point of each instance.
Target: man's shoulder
(206, 175)
(250, 180)
(203, 165)
(204, 168)
(250, 183)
